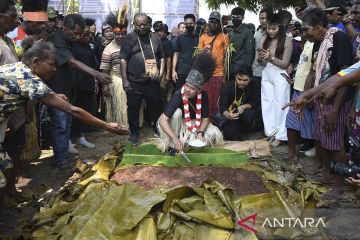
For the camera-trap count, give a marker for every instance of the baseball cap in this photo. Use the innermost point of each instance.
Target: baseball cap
(201, 21)
(334, 4)
(215, 15)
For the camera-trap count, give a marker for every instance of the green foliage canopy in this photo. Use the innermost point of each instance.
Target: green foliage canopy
(255, 5)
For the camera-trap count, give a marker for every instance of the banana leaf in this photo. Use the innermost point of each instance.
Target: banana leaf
(97, 208)
(148, 154)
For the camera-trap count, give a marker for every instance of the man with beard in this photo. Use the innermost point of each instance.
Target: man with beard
(184, 49)
(186, 116)
(142, 66)
(243, 42)
(215, 42)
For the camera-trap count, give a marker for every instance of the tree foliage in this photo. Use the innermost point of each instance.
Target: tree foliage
(255, 5)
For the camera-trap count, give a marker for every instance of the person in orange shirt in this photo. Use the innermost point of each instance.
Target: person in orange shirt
(216, 42)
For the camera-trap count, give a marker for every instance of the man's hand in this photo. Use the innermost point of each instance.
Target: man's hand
(177, 144)
(117, 129)
(127, 86)
(354, 181)
(297, 104)
(231, 116)
(241, 109)
(200, 136)
(174, 77)
(104, 78)
(331, 120)
(106, 90)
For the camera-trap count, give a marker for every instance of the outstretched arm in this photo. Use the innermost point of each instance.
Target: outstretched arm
(57, 102)
(102, 77)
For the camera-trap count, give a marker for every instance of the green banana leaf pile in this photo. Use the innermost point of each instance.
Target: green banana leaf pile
(96, 208)
(148, 154)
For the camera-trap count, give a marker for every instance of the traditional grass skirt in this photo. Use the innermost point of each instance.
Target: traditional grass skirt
(116, 103)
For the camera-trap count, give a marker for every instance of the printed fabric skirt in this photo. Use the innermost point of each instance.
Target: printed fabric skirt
(306, 125)
(334, 140)
(213, 89)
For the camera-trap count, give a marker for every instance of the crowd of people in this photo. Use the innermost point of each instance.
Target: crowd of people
(213, 80)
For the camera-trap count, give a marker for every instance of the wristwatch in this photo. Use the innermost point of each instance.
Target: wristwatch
(272, 59)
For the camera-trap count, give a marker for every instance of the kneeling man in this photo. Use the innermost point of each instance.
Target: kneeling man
(186, 116)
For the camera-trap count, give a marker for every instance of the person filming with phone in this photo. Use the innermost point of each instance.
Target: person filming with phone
(275, 54)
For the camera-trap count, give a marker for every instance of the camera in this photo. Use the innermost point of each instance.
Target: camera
(347, 169)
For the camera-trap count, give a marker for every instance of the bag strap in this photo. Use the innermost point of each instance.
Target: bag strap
(142, 51)
(213, 41)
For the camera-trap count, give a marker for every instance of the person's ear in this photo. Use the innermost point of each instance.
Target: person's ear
(35, 63)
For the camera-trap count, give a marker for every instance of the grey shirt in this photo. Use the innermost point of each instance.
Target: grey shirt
(256, 66)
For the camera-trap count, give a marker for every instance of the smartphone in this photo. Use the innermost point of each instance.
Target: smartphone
(288, 79)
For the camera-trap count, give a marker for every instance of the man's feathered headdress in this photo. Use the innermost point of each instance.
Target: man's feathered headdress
(118, 21)
(202, 70)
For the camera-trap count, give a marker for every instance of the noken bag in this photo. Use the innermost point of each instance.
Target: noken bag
(151, 69)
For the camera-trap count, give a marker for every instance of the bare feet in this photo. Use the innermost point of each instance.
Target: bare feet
(291, 158)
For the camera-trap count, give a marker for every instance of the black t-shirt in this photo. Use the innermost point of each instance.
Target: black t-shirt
(177, 102)
(131, 52)
(62, 80)
(168, 49)
(251, 96)
(84, 53)
(341, 52)
(185, 46)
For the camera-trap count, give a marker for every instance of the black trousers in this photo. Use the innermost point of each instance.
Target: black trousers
(87, 101)
(236, 129)
(151, 92)
(180, 81)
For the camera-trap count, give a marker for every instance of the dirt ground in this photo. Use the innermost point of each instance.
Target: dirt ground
(38, 176)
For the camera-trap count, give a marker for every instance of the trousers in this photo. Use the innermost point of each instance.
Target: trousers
(60, 134)
(275, 93)
(152, 94)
